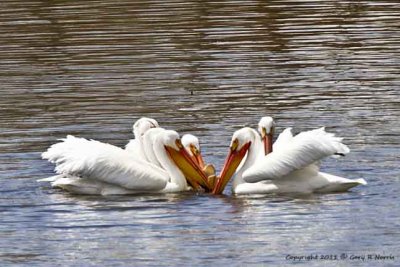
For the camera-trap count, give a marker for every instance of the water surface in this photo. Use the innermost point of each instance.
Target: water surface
(91, 68)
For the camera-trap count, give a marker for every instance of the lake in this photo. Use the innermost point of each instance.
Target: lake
(91, 68)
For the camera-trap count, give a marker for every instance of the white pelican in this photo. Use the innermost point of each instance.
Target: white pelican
(192, 145)
(189, 142)
(140, 127)
(145, 130)
(92, 167)
(292, 168)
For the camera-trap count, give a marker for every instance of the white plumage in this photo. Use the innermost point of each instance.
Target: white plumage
(189, 139)
(139, 128)
(147, 143)
(268, 124)
(302, 150)
(293, 166)
(91, 167)
(78, 157)
(283, 140)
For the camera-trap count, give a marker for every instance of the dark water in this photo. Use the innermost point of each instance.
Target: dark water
(91, 68)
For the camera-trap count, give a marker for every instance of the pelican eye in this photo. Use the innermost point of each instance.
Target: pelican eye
(194, 149)
(234, 145)
(179, 143)
(263, 132)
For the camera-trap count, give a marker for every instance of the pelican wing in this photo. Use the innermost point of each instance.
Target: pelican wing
(106, 163)
(135, 150)
(304, 149)
(132, 146)
(283, 139)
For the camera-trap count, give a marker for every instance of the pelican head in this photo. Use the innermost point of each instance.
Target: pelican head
(192, 146)
(266, 127)
(182, 159)
(240, 144)
(142, 125)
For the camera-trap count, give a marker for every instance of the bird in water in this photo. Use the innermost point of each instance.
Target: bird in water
(92, 167)
(192, 146)
(290, 165)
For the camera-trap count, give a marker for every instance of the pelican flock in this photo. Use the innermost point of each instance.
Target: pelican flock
(159, 161)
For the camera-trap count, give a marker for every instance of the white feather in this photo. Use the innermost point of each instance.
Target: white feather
(292, 167)
(189, 139)
(267, 123)
(147, 143)
(283, 140)
(105, 163)
(135, 146)
(304, 149)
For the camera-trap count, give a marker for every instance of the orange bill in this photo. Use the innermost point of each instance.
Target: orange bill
(267, 140)
(193, 173)
(196, 156)
(232, 161)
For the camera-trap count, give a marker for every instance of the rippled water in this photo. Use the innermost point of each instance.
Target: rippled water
(91, 68)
